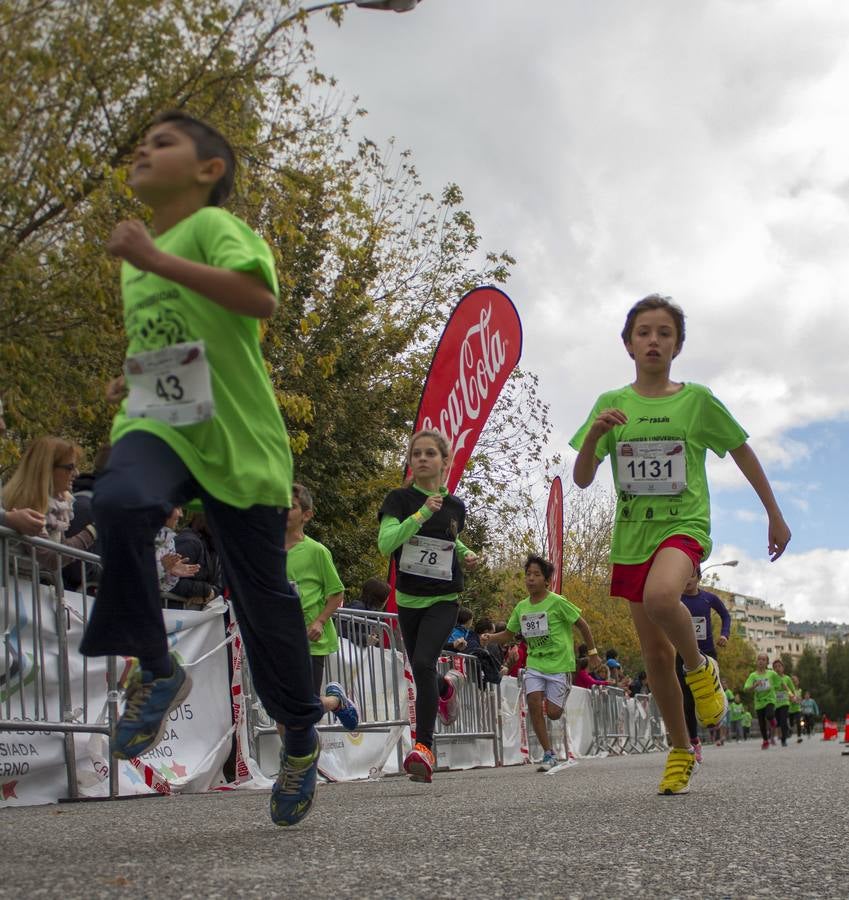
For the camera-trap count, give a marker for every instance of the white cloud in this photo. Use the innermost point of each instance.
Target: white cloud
(810, 586)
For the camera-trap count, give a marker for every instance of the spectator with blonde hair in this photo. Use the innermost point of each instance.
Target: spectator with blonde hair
(26, 521)
(42, 482)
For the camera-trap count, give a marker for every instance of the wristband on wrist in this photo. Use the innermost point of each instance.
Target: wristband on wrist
(418, 517)
(592, 652)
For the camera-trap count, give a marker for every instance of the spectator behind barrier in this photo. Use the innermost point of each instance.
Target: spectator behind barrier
(72, 574)
(458, 640)
(42, 482)
(170, 566)
(583, 678)
(25, 520)
(195, 545)
(373, 597)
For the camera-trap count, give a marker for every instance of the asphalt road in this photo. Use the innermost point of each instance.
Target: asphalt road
(755, 824)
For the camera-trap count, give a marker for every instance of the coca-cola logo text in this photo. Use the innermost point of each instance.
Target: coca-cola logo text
(481, 358)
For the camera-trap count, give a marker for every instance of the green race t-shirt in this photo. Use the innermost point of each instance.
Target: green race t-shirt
(765, 685)
(310, 566)
(696, 418)
(747, 719)
(735, 712)
(552, 650)
(241, 455)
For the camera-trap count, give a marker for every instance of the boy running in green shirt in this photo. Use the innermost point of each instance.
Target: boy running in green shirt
(657, 433)
(200, 421)
(310, 568)
(545, 621)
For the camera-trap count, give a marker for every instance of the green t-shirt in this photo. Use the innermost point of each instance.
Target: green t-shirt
(784, 690)
(310, 566)
(747, 719)
(696, 418)
(765, 685)
(735, 711)
(552, 618)
(241, 455)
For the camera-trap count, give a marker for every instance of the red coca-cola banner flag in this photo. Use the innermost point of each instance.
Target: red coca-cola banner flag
(554, 533)
(479, 348)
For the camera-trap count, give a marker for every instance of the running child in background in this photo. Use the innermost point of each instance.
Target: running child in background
(310, 569)
(419, 527)
(783, 694)
(657, 433)
(746, 722)
(699, 604)
(765, 682)
(736, 712)
(796, 708)
(200, 421)
(545, 620)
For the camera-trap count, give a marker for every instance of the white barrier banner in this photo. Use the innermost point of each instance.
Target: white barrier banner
(197, 737)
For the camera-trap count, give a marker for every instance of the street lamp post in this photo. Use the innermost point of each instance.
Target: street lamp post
(730, 562)
(383, 5)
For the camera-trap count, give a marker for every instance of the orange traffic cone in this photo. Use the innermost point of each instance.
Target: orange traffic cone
(846, 730)
(829, 729)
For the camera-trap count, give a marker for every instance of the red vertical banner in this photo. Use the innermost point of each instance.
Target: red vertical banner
(554, 533)
(479, 348)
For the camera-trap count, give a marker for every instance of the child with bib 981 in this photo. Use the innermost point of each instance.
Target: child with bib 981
(657, 433)
(545, 621)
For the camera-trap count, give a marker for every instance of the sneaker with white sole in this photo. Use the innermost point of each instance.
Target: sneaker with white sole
(448, 707)
(346, 713)
(548, 761)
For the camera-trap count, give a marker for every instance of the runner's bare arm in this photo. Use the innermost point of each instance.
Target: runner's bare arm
(778, 534)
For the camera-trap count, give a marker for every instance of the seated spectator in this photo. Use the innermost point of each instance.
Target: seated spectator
(170, 566)
(195, 546)
(582, 677)
(83, 490)
(603, 673)
(486, 626)
(42, 482)
(25, 520)
(373, 597)
(458, 640)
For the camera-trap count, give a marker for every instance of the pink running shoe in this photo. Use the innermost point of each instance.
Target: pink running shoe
(449, 706)
(697, 749)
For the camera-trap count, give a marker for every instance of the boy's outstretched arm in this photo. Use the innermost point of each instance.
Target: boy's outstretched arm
(238, 292)
(582, 626)
(778, 533)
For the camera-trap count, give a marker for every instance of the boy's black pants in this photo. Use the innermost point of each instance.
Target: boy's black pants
(142, 483)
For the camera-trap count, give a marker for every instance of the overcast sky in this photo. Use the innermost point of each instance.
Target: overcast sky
(619, 148)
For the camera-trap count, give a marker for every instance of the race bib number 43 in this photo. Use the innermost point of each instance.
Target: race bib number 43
(430, 557)
(651, 467)
(172, 384)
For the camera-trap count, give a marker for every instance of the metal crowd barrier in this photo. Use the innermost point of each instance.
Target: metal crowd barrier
(621, 726)
(31, 589)
(479, 716)
(367, 674)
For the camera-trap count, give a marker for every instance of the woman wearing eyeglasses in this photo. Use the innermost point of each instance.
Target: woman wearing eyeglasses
(42, 481)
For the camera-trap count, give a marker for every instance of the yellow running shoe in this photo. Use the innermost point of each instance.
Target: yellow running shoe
(680, 767)
(708, 695)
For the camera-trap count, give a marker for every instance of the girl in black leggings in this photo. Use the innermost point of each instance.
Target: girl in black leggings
(419, 527)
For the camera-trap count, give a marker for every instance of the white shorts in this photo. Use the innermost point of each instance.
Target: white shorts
(555, 687)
